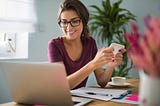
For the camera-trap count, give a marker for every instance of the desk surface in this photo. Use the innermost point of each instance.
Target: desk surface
(134, 88)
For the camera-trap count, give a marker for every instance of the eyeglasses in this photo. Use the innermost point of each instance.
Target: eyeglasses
(73, 23)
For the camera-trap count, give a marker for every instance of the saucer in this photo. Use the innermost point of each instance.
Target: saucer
(119, 85)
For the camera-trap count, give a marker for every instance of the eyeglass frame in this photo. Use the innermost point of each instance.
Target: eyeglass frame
(69, 22)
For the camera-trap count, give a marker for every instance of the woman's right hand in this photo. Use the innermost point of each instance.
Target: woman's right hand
(103, 57)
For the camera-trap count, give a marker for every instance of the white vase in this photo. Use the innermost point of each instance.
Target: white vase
(149, 91)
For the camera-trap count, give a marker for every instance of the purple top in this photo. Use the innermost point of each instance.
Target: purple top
(57, 52)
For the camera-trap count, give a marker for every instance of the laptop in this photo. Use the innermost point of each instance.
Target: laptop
(39, 83)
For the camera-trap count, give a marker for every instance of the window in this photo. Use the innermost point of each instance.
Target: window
(17, 20)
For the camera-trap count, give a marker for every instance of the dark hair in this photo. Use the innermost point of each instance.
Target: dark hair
(80, 9)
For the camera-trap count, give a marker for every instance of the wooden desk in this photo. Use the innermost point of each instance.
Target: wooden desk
(134, 88)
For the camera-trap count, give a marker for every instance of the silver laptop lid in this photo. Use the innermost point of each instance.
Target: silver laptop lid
(37, 83)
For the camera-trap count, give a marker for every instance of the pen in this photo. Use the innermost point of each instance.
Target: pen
(92, 93)
(126, 93)
(123, 95)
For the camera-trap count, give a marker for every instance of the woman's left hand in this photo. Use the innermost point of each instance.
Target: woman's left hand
(117, 59)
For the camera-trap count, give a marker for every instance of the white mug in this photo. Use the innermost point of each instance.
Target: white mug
(119, 80)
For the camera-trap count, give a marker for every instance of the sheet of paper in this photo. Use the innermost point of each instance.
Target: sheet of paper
(98, 93)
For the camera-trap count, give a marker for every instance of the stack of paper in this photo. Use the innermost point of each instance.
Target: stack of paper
(99, 93)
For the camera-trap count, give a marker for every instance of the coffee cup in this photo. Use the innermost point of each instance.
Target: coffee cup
(119, 80)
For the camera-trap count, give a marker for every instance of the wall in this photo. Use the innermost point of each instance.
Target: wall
(48, 28)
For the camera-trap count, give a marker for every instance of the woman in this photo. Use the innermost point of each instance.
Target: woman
(77, 50)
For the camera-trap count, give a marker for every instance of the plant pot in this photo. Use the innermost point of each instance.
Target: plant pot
(149, 91)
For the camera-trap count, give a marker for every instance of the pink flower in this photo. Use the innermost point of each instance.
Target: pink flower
(144, 49)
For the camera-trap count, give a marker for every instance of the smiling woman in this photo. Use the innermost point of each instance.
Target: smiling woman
(77, 50)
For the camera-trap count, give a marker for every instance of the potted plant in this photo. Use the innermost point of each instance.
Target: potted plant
(108, 24)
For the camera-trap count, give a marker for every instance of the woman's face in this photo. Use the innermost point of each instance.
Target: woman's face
(71, 25)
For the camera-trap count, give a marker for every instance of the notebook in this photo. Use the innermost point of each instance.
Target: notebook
(38, 83)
